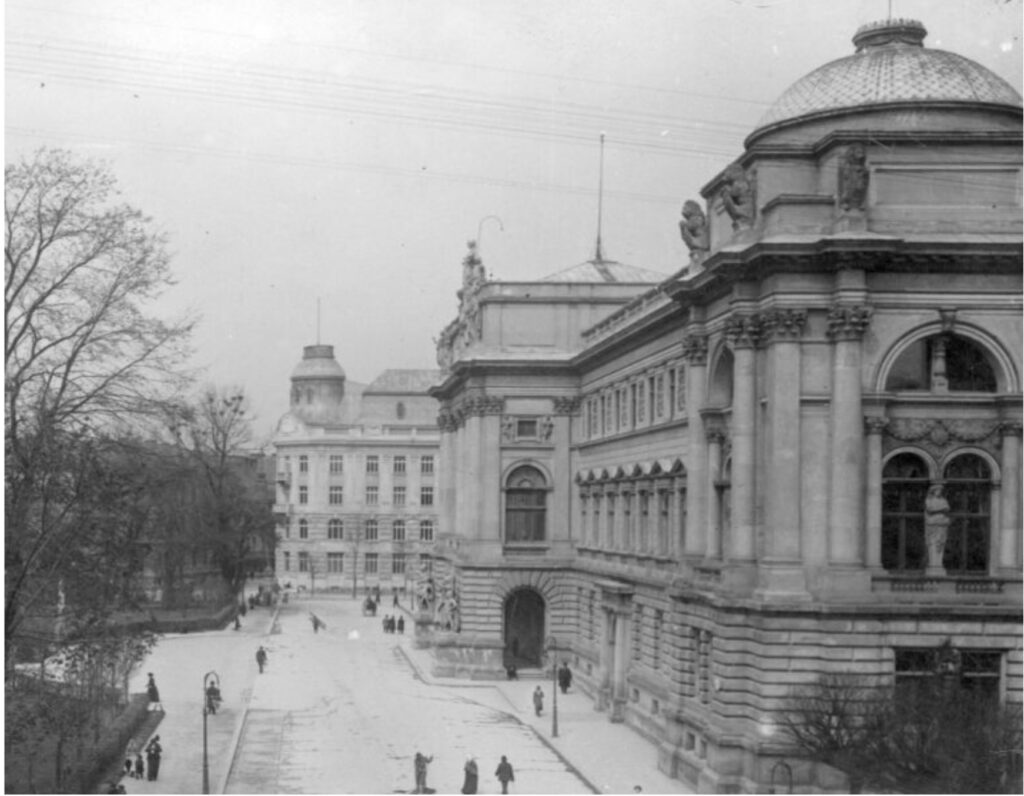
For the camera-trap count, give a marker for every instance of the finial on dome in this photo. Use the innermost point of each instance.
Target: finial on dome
(890, 31)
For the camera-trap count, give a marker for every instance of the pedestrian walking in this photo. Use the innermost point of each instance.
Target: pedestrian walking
(127, 772)
(565, 677)
(154, 694)
(140, 766)
(538, 700)
(394, 599)
(384, 622)
(213, 699)
(261, 658)
(153, 752)
(505, 774)
(471, 777)
(419, 765)
(401, 624)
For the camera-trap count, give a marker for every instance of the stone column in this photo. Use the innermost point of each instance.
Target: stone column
(714, 433)
(873, 497)
(783, 329)
(846, 327)
(695, 350)
(743, 332)
(621, 662)
(1009, 509)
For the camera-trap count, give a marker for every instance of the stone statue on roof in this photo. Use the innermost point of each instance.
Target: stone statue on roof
(694, 230)
(738, 197)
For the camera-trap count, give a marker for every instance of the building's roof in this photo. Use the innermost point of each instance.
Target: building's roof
(318, 362)
(891, 66)
(605, 271)
(403, 381)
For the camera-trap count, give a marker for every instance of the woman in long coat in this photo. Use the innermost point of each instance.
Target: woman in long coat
(469, 784)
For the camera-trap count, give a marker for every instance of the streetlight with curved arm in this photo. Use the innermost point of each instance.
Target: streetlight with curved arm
(211, 678)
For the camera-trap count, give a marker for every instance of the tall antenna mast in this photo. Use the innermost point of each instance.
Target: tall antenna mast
(598, 257)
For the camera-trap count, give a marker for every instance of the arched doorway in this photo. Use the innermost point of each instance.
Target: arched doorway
(524, 628)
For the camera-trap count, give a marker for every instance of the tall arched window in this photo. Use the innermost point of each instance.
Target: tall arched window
(303, 529)
(904, 487)
(968, 492)
(525, 505)
(335, 529)
(943, 363)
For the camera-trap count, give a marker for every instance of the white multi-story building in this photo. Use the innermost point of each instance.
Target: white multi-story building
(356, 475)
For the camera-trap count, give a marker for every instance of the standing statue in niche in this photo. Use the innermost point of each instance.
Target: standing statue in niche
(936, 528)
(738, 197)
(853, 178)
(694, 230)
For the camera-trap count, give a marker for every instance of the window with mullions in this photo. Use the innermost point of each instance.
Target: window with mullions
(941, 364)
(336, 464)
(370, 531)
(303, 529)
(525, 505)
(335, 529)
(427, 530)
(968, 492)
(921, 673)
(398, 530)
(904, 488)
(335, 562)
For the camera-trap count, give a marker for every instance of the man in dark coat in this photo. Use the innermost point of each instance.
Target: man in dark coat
(261, 658)
(504, 774)
(564, 677)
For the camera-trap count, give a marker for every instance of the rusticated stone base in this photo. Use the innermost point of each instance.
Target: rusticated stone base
(467, 656)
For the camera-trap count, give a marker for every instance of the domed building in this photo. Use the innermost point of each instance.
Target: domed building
(798, 458)
(356, 470)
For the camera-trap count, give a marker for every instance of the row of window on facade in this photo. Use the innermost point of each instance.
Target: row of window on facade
(334, 563)
(371, 495)
(636, 517)
(976, 671)
(336, 464)
(651, 398)
(368, 530)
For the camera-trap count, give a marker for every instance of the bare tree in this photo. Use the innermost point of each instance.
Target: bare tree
(81, 354)
(215, 430)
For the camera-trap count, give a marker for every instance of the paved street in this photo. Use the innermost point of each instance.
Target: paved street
(344, 711)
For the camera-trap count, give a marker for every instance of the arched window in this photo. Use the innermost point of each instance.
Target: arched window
(943, 363)
(904, 487)
(335, 529)
(303, 529)
(525, 505)
(968, 490)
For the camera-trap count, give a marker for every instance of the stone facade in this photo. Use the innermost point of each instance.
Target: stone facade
(357, 479)
(708, 492)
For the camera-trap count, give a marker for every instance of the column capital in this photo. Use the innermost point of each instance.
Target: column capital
(782, 324)
(480, 405)
(447, 420)
(743, 331)
(695, 349)
(875, 425)
(566, 405)
(1011, 428)
(848, 322)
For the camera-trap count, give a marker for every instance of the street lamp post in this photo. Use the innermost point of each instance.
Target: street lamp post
(553, 648)
(210, 678)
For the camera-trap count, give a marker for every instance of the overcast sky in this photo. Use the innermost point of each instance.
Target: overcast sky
(298, 150)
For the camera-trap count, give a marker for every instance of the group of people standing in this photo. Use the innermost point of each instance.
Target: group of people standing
(391, 624)
(471, 774)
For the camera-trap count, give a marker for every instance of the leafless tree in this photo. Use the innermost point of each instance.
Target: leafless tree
(82, 354)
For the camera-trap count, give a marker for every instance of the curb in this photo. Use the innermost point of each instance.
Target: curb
(547, 742)
(236, 738)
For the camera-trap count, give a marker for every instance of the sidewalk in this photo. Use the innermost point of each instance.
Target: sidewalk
(229, 652)
(605, 755)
